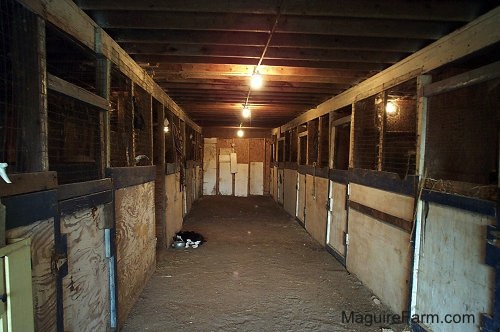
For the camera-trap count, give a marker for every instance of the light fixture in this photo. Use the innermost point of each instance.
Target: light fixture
(165, 125)
(256, 81)
(240, 133)
(246, 113)
(391, 108)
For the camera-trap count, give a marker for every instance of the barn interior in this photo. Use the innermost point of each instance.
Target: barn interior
(375, 127)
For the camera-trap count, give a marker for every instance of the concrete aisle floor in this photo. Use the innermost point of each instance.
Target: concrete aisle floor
(258, 271)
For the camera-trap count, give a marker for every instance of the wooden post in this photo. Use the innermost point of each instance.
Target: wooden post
(382, 116)
(103, 76)
(351, 139)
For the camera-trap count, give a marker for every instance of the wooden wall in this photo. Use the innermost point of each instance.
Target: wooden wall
(41, 234)
(379, 253)
(452, 275)
(290, 191)
(174, 206)
(316, 212)
(252, 157)
(135, 243)
(86, 286)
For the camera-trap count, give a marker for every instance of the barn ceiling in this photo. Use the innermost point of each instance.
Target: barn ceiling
(203, 52)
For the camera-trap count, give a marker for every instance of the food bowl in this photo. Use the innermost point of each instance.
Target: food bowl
(178, 244)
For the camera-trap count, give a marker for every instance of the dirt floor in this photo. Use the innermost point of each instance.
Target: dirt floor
(258, 271)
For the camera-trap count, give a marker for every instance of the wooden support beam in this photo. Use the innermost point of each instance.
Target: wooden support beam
(301, 24)
(59, 85)
(475, 36)
(473, 77)
(258, 39)
(442, 10)
(254, 52)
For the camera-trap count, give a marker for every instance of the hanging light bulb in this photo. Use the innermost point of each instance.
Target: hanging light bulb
(165, 125)
(246, 112)
(240, 133)
(256, 81)
(391, 108)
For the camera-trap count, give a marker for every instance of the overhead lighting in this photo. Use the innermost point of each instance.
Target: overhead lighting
(256, 81)
(165, 125)
(246, 113)
(240, 133)
(391, 108)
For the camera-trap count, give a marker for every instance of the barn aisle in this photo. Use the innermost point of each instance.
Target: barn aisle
(258, 271)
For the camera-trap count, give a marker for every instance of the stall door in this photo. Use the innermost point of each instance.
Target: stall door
(337, 220)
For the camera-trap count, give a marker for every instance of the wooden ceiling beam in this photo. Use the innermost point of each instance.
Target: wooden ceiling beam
(211, 88)
(450, 10)
(301, 24)
(258, 39)
(211, 71)
(159, 60)
(182, 77)
(252, 52)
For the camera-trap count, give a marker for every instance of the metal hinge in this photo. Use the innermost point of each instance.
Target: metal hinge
(346, 239)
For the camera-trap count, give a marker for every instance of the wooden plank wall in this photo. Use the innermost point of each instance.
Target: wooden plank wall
(41, 234)
(380, 253)
(338, 224)
(316, 213)
(452, 276)
(301, 199)
(174, 206)
(290, 191)
(86, 286)
(135, 243)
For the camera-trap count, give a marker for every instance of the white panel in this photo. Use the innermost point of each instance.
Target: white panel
(224, 158)
(281, 180)
(452, 276)
(241, 181)
(234, 167)
(225, 179)
(256, 178)
(210, 168)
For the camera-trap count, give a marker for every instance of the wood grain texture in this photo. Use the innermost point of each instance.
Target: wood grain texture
(301, 199)
(210, 167)
(400, 206)
(290, 191)
(241, 181)
(256, 149)
(316, 200)
(86, 286)
(174, 206)
(452, 276)
(338, 224)
(44, 281)
(135, 243)
(241, 147)
(379, 255)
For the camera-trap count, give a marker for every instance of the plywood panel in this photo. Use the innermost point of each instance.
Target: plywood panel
(379, 256)
(316, 213)
(241, 148)
(338, 223)
(257, 149)
(174, 206)
(135, 243)
(210, 167)
(290, 191)
(86, 286)
(241, 181)
(394, 204)
(189, 189)
(256, 178)
(452, 276)
(302, 198)
(199, 183)
(44, 281)
(225, 179)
